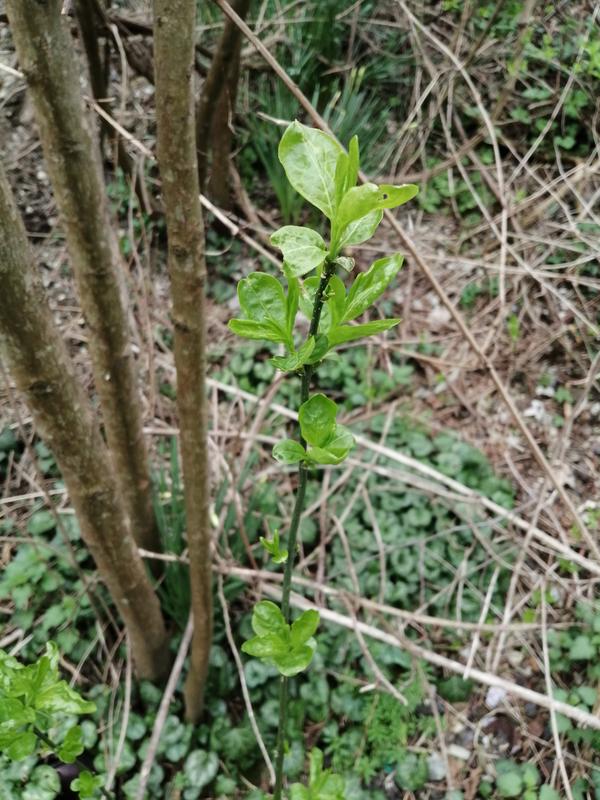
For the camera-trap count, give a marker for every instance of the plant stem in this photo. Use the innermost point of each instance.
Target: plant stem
(41, 735)
(307, 373)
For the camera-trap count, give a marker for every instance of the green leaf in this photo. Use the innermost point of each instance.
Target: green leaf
(295, 360)
(272, 546)
(335, 450)
(303, 249)
(86, 784)
(455, 689)
(509, 784)
(72, 745)
(263, 302)
(294, 661)
(268, 645)
(361, 200)
(349, 333)
(317, 419)
(345, 262)
(341, 175)
(353, 162)
(548, 793)
(59, 697)
(43, 784)
(411, 772)
(41, 522)
(200, 768)
(582, 649)
(14, 712)
(267, 618)
(253, 330)
(304, 627)
(299, 792)
(309, 158)
(360, 230)
(289, 452)
(368, 286)
(21, 745)
(291, 308)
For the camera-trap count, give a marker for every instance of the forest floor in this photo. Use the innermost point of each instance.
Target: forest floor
(438, 515)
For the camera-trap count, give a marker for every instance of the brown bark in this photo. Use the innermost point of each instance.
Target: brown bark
(87, 19)
(52, 69)
(37, 359)
(174, 25)
(218, 99)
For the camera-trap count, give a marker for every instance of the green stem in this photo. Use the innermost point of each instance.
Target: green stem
(41, 735)
(307, 373)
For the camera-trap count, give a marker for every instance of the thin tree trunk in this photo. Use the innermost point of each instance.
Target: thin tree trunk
(174, 27)
(47, 58)
(37, 359)
(221, 132)
(88, 20)
(224, 68)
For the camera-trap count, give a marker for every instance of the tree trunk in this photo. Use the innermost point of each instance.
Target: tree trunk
(221, 132)
(174, 27)
(37, 359)
(47, 58)
(217, 100)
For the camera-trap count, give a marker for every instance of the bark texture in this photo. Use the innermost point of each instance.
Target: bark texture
(37, 359)
(215, 108)
(52, 70)
(174, 26)
(88, 19)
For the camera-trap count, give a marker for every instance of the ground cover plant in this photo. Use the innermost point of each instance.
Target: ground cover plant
(453, 570)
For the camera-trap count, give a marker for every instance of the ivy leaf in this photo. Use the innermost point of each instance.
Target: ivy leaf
(21, 745)
(349, 333)
(72, 745)
(295, 360)
(303, 249)
(13, 712)
(61, 698)
(317, 419)
(263, 301)
(289, 452)
(509, 784)
(200, 768)
(309, 158)
(304, 627)
(86, 784)
(267, 618)
(360, 230)
(368, 286)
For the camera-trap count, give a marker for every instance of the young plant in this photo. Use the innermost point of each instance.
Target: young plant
(32, 700)
(322, 172)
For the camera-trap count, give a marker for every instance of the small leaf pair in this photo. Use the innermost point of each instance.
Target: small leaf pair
(328, 442)
(323, 784)
(272, 546)
(269, 314)
(322, 172)
(289, 648)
